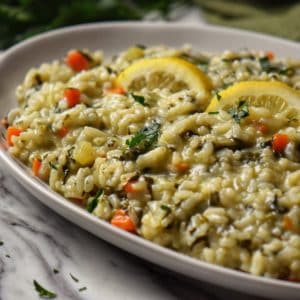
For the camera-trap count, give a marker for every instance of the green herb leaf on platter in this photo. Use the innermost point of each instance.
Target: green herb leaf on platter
(93, 201)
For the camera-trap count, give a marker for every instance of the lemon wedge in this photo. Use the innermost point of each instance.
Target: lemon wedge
(273, 95)
(173, 73)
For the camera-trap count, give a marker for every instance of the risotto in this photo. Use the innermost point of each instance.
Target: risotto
(137, 141)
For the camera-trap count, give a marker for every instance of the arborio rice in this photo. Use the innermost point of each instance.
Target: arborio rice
(200, 183)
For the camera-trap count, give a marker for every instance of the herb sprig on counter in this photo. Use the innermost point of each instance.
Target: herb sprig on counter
(43, 293)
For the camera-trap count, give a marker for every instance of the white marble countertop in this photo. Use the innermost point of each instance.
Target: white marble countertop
(36, 241)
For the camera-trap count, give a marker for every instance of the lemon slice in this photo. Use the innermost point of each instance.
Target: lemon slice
(273, 95)
(172, 73)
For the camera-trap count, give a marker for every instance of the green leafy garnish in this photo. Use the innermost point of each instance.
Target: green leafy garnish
(218, 96)
(213, 112)
(144, 139)
(138, 98)
(74, 278)
(166, 208)
(93, 201)
(52, 165)
(265, 64)
(240, 112)
(43, 293)
(55, 271)
(1, 243)
(82, 289)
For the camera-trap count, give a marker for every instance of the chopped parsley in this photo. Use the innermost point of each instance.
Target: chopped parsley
(239, 112)
(74, 278)
(1, 243)
(218, 96)
(82, 289)
(52, 165)
(138, 98)
(7, 255)
(213, 112)
(55, 271)
(93, 201)
(144, 139)
(265, 64)
(166, 208)
(43, 293)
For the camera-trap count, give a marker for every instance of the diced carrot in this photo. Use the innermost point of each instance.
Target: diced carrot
(12, 131)
(4, 122)
(182, 167)
(260, 126)
(123, 221)
(62, 132)
(280, 142)
(270, 55)
(77, 61)
(36, 165)
(116, 90)
(288, 223)
(128, 187)
(72, 96)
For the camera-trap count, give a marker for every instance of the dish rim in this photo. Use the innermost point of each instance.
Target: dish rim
(20, 172)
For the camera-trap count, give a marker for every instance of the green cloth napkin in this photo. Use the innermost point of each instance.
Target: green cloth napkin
(281, 18)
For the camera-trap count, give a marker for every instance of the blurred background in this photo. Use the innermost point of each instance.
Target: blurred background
(20, 19)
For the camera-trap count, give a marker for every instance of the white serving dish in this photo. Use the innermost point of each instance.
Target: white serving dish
(113, 37)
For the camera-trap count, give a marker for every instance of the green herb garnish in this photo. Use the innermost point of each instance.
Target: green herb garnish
(93, 201)
(43, 293)
(213, 112)
(55, 271)
(52, 165)
(7, 255)
(166, 208)
(138, 98)
(265, 64)
(218, 96)
(1, 243)
(144, 139)
(82, 289)
(74, 278)
(240, 112)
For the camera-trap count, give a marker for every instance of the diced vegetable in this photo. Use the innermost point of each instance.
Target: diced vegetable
(240, 112)
(123, 221)
(93, 201)
(129, 188)
(84, 153)
(270, 55)
(36, 165)
(260, 126)
(62, 132)
(12, 131)
(72, 96)
(288, 223)
(77, 61)
(280, 142)
(116, 90)
(182, 167)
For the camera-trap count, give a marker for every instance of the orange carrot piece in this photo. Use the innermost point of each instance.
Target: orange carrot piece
(280, 142)
(12, 131)
(77, 61)
(270, 55)
(36, 165)
(182, 167)
(123, 221)
(260, 126)
(62, 132)
(116, 90)
(128, 187)
(72, 96)
(288, 223)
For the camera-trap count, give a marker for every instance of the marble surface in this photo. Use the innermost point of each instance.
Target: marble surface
(36, 241)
